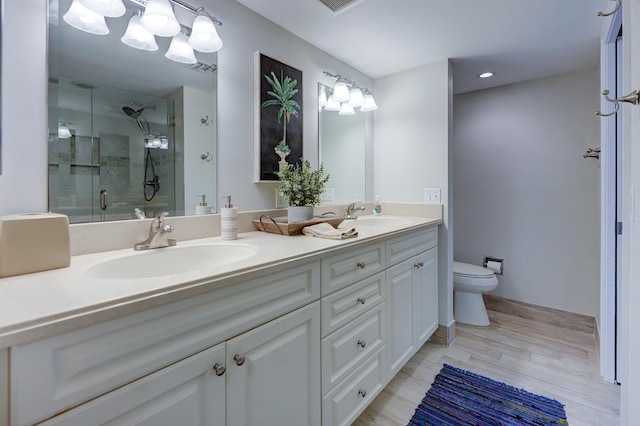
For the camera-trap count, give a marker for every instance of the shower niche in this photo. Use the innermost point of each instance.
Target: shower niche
(111, 151)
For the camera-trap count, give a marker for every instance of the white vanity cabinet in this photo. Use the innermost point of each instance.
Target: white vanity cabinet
(51, 376)
(412, 295)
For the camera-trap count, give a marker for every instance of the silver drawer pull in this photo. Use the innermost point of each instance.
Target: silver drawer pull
(219, 369)
(239, 359)
(361, 265)
(362, 343)
(362, 300)
(418, 265)
(362, 393)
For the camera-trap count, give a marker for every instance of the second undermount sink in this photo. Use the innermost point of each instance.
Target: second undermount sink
(171, 261)
(377, 221)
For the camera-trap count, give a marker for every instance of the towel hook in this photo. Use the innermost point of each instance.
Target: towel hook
(632, 98)
(619, 3)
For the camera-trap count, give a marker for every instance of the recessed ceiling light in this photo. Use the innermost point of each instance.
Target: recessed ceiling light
(485, 75)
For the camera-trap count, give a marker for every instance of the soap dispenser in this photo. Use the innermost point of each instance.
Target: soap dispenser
(228, 220)
(203, 207)
(377, 207)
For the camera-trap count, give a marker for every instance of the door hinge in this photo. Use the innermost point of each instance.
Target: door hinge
(618, 228)
(171, 120)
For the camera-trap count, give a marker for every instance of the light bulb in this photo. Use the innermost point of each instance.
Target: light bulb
(332, 104)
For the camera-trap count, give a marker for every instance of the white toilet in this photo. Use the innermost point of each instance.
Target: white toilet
(469, 282)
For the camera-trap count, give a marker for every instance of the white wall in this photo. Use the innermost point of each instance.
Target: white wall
(245, 32)
(23, 183)
(411, 151)
(523, 191)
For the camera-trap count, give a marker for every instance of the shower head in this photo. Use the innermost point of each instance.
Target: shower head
(135, 114)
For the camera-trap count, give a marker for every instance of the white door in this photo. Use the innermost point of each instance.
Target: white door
(425, 288)
(400, 315)
(273, 376)
(188, 393)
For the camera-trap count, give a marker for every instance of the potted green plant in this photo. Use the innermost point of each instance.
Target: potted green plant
(302, 187)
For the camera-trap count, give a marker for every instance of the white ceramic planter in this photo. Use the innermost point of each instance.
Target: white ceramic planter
(299, 213)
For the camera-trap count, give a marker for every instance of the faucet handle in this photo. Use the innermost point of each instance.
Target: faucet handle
(158, 221)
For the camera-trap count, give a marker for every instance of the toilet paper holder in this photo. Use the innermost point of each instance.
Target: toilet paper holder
(499, 260)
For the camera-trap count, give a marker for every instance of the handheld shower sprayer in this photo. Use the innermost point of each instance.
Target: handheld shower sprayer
(135, 115)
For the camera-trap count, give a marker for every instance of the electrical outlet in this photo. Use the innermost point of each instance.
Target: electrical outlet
(432, 195)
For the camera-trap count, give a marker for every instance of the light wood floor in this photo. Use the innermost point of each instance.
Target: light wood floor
(544, 356)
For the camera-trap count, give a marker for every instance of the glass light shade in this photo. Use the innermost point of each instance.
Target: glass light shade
(369, 103)
(164, 142)
(53, 12)
(158, 18)
(204, 37)
(355, 98)
(108, 8)
(332, 104)
(138, 37)
(346, 109)
(85, 20)
(180, 50)
(341, 92)
(63, 131)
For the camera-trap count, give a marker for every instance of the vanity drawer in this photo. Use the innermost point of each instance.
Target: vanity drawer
(405, 246)
(344, 305)
(345, 403)
(55, 374)
(347, 267)
(345, 349)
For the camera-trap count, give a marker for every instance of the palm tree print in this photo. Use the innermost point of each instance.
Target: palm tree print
(283, 92)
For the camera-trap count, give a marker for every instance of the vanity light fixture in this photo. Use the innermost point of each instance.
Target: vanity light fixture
(155, 18)
(63, 131)
(107, 8)
(138, 37)
(487, 74)
(350, 95)
(180, 50)
(85, 20)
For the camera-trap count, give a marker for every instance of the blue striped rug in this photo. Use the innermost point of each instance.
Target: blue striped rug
(459, 397)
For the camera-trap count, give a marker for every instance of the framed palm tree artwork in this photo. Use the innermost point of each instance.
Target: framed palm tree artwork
(278, 117)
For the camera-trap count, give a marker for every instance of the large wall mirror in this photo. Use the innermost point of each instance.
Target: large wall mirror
(131, 132)
(342, 144)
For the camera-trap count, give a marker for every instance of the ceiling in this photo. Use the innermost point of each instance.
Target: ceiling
(517, 39)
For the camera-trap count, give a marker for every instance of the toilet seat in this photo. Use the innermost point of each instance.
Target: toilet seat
(467, 277)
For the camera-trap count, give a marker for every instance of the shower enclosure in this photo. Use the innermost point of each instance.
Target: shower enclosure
(111, 151)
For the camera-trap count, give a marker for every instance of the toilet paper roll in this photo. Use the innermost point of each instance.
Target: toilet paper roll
(495, 266)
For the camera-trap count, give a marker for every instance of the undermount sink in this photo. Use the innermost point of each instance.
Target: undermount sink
(379, 221)
(171, 261)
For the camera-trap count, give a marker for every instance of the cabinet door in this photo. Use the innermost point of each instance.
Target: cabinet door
(400, 314)
(274, 372)
(425, 289)
(189, 392)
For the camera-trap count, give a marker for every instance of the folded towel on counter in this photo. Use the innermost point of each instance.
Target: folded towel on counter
(326, 230)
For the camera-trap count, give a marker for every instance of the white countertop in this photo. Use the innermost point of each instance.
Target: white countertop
(43, 304)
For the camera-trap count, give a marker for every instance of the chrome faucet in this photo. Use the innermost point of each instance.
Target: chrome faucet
(158, 235)
(351, 208)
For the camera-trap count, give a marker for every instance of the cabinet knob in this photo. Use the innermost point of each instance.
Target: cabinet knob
(418, 265)
(361, 265)
(362, 343)
(362, 300)
(239, 359)
(362, 393)
(219, 369)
